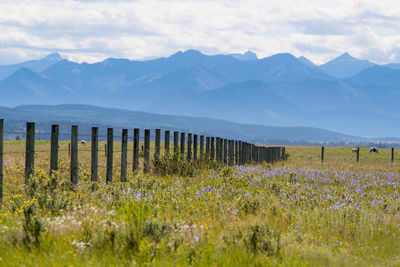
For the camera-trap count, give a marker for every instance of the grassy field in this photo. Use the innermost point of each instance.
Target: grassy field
(298, 212)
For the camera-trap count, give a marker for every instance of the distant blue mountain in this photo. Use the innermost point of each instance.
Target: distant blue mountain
(245, 56)
(395, 66)
(279, 90)
(34, 65)
(345, 66)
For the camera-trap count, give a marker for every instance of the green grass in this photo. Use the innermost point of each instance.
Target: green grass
(297, 213)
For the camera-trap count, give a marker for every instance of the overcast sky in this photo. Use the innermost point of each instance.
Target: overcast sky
(94, 30)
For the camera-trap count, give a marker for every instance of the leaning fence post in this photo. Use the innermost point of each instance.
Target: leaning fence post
(176, 141)
(157, 144)
(358, 154)
(54, 148)
(74, 154)
(189, 147)
(212, 148)
(110, 147)
(95, 154)
(392, 154)
(166, 141)
(30, 150)
(1, 161)
(183, 143)
(124, 150)
(322, 153)
(146, 150)
(195, 147)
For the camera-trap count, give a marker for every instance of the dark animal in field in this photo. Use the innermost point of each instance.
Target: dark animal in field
(83, 142)
(373, 149)
(354, 150)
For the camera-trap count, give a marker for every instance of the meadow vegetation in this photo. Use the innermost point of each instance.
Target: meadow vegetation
(296, 212)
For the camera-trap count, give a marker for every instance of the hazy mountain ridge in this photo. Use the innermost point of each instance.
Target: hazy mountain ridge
(279, 90)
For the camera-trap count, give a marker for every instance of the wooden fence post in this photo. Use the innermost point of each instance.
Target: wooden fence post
(176, 141)
(195, 147)
(110, 147)
(240, 152)
(1, 161)
(231, 152)
(212, 143)
(135, 149)
(189, 147)
(237, 152)
(74, 154)
(95, 154)
(208, 146)
(392, 154)
(201, 146)
(30, 150)
(183, 143)
(166, 141)
(358, 154)
(225, 151)
(157, 144)
(54, 148)
(217, 148)
(221, 150)
(322, 153)
(146, 150)
(124, 151)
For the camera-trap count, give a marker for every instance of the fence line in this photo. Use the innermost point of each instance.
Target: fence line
(227, 152)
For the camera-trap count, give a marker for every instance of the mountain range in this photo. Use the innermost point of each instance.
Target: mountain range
(346, 95)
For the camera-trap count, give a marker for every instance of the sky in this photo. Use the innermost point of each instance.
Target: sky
(94, 30)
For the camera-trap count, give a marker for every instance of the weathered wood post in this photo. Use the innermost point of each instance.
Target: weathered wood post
(322, 153)
(183, 143)
(284, 153)
(110, 148)
(1, 161)
(201, 146)
(30, 150)
(208, 145)
(237, 152)
(95, 155)
(212, 143)
(189, 147)
(221, 150)
(358, 154)
(166, 141)
(217, 148)
(74, 154)
(195, 147)
(157, 144)
(225, 151)
(146, 150)
(176, 141)
(54, 148)
(231, 152)
(124, 152)
(240, 152)
(392, 154)
(135, 149)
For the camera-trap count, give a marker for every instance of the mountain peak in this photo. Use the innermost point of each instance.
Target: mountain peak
(248, 55)
(345, 66)
(53, 57)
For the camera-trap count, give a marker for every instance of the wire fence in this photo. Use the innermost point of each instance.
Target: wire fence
(141, 148)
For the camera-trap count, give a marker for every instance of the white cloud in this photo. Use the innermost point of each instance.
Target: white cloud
(94, 30)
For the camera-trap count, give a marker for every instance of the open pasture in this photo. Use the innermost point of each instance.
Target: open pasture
(296, 212)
